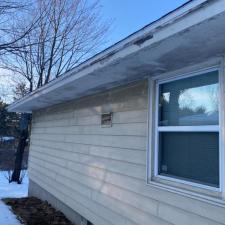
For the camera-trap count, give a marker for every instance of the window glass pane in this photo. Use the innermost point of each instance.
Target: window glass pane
(192, 156)
(189, 101)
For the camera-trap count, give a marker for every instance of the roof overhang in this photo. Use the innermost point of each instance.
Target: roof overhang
(191, 34)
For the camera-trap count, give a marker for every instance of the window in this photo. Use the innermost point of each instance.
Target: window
(187, 130)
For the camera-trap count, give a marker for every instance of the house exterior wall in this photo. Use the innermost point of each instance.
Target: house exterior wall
(100, 173)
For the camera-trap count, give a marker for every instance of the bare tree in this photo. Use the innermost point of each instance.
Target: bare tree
(67, 32)
(10, 33)
(7, 13)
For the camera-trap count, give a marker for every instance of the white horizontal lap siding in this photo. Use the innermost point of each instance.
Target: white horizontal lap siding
(129, 169)
(117, 129)
(120, 154)
(101, 172)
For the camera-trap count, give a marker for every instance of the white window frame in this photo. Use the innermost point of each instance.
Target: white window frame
(154, 131)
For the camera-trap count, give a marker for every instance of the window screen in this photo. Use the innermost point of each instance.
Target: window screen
(188, 129)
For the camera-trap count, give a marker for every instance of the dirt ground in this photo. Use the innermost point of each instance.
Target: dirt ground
(33, 211)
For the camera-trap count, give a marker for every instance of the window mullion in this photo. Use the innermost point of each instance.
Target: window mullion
(209, 128)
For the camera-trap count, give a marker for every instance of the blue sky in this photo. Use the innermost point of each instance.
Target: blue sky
(130, 15)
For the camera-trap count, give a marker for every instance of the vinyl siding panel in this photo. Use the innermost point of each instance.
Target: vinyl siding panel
(101, 172)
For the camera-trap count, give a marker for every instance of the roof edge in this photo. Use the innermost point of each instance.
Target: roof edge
(169, 18)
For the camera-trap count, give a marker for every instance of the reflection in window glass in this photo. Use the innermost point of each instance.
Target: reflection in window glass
(189, 150)
(190, 101)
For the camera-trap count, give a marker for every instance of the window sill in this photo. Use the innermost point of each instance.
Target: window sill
(190, 185)
(210, 197)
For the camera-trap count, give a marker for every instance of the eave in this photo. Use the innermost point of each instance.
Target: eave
(191, 34)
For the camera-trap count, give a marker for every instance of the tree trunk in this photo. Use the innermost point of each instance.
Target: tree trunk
(24, 122)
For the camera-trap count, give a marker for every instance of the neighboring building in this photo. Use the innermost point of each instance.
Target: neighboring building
(135, 135)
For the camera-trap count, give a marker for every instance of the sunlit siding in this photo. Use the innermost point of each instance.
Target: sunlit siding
(101, 172)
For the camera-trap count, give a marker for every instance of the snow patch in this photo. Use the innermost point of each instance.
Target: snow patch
(6, 216)
(12, 190)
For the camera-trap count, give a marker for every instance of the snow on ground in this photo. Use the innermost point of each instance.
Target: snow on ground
(12, 190)
(6, 216)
